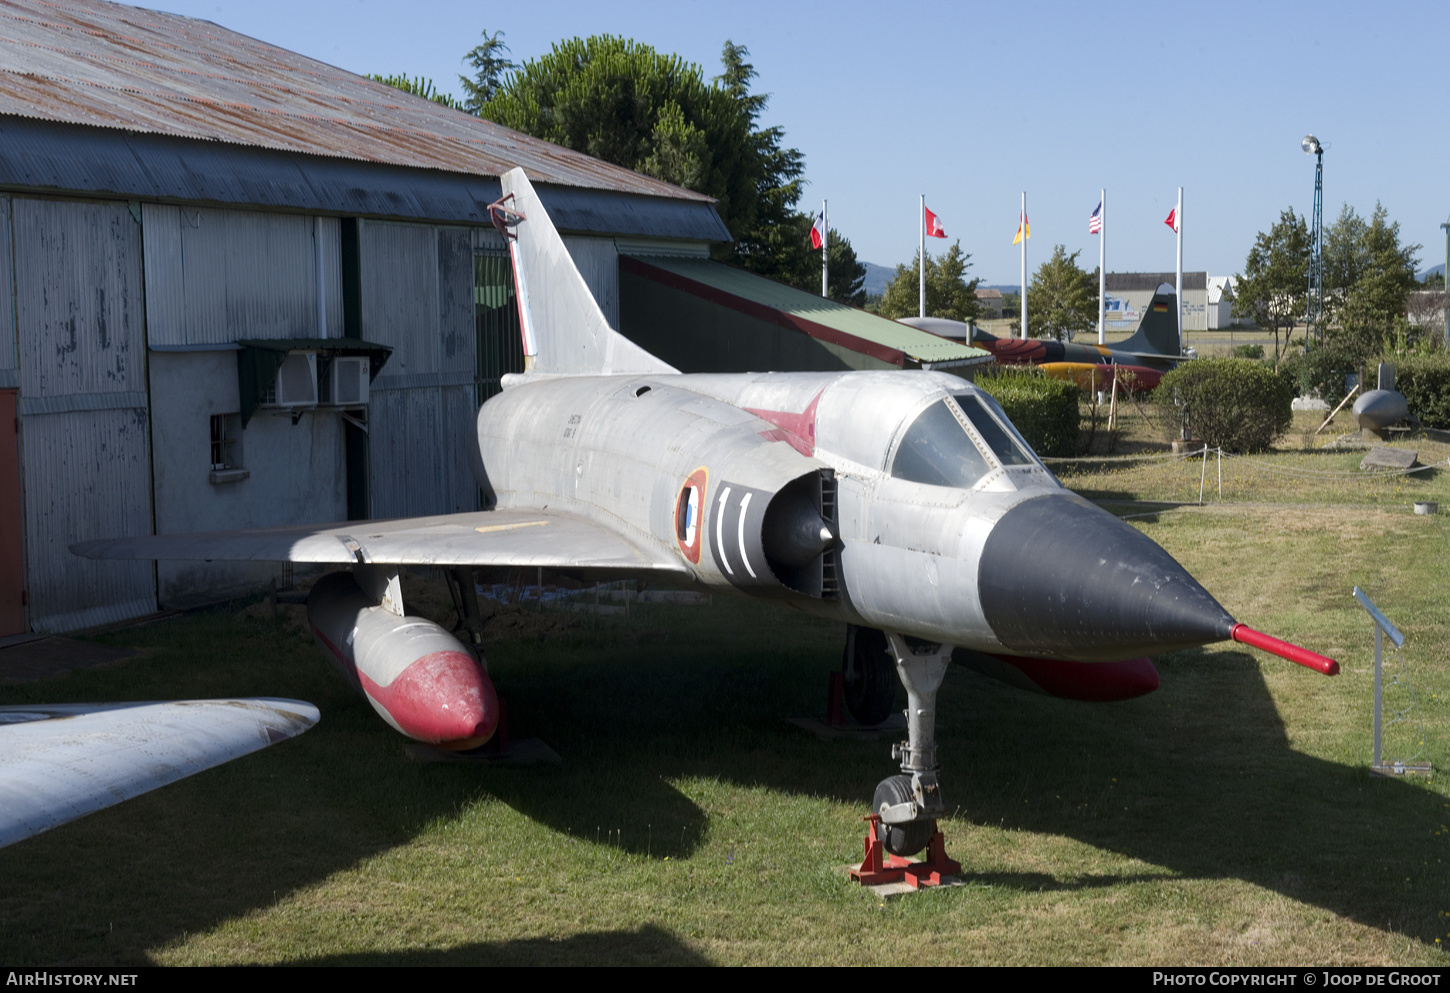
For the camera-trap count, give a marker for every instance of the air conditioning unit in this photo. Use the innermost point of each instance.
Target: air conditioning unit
(296, 382)
(347, 381)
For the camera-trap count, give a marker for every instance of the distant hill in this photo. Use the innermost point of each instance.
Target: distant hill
(1436, 270)
(877, 278)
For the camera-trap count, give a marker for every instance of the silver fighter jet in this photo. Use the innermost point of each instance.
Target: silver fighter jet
(903, 504)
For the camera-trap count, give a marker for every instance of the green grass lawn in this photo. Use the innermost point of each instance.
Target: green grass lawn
(1227, 818)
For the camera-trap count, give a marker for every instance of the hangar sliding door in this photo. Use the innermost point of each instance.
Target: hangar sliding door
(83, 411)
(416, 289)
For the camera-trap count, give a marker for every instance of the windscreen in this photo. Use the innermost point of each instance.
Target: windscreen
(937, 450)
(1006, 445)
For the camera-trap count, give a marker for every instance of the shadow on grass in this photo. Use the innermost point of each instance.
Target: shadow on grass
(1198, 779)
(648, 945)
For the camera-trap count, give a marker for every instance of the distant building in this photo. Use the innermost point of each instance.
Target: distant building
(991, 303)
(1206, 300)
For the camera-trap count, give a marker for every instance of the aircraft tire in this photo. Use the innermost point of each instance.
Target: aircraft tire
(899, 839)
(870, 691)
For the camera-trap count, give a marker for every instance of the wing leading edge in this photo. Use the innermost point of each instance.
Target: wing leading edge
(59, 762)
(514, 538)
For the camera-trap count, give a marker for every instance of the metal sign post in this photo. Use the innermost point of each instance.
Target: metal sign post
(1383, 628)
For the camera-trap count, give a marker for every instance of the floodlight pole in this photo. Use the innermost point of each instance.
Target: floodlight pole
(1445, 282)
(1314, 318)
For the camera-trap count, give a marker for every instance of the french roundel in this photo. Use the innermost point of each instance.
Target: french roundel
(688, 508)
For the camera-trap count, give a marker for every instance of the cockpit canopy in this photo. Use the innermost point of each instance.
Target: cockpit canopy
(958, 440)
(924, 427)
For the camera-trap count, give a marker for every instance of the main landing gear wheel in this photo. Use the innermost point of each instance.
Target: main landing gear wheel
(904, 839)
(869, 671)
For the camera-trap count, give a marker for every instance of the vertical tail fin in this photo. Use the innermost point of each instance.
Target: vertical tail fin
(564, 331)
(1158, 330)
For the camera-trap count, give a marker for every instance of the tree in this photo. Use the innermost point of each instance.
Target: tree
(1275, 281)
(419, 87)
(625, 103)
(846, 275)
(489, 67)
(1062, 299)
(1371, 278)
(776, 171)
(948, 293)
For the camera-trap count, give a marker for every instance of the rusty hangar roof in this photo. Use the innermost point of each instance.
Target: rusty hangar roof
(95, 65)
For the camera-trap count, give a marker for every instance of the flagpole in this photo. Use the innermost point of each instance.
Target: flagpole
(921, 228)
(1178, 286)
(825, 247)
(1102, 272)
(1023, 224)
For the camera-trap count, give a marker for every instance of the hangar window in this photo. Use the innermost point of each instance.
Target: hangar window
(226, 449)
(938, 451)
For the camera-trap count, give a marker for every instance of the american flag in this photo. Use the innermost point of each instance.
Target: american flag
(1095, 222)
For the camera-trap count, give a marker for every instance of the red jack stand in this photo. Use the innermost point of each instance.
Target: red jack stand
(879, 867)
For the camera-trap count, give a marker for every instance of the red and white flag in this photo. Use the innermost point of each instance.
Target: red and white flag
(933, 226)
(818, 231)
(1172, 220)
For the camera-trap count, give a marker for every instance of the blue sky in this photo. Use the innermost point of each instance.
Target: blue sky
(972, 104)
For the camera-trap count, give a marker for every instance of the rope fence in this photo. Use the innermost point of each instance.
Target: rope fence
(1169, 477)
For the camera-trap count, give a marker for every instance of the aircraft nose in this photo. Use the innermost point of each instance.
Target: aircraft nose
(1063, 577)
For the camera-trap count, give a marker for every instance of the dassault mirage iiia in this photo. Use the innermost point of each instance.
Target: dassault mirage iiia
(903, 504)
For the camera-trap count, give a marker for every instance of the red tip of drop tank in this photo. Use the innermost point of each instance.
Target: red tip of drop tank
(1272, 645)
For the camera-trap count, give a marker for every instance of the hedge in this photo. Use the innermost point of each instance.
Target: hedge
(1425, 382)
(1044, 410)
(1234, 404)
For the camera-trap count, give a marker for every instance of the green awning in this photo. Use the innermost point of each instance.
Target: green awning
(798, 310)
(260, 358)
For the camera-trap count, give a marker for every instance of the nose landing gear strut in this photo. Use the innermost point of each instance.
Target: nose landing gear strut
(905, 807)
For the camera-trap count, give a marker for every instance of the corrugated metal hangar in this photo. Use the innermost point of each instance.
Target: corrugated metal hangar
(240, 288)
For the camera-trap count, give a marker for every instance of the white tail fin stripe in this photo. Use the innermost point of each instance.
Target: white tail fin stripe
(521, 294)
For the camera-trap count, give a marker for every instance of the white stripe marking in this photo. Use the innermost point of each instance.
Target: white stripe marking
(720, 531)
(740, 534)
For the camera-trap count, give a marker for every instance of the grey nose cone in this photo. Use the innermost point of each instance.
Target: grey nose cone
(1061, 577)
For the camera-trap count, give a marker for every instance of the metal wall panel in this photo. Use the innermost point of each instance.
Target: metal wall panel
(85, 449)
(9, 357)
(598, 262)
(85, 477)
(214, 276)
(78, 298)
(418, 297)
(400, 293)
(455, 301)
